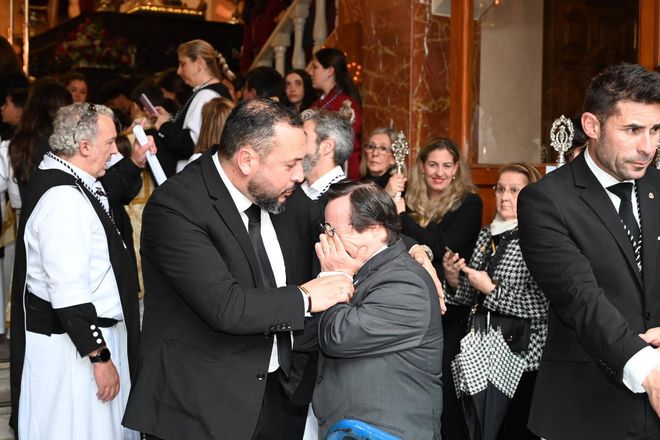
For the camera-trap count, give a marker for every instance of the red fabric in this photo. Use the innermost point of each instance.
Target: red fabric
(333, 102)
(257, 31)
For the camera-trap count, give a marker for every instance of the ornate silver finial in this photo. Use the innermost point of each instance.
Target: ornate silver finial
(561, 137)
(400, 151)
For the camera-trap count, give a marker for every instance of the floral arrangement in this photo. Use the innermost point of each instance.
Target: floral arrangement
(90, 45)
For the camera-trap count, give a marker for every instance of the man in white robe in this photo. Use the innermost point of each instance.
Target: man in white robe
(75, 319)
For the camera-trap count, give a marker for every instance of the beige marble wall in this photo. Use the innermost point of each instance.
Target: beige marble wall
(4, 17)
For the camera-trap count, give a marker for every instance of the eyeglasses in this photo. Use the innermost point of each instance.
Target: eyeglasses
(89, 114)
(382, 149)
(500, 190)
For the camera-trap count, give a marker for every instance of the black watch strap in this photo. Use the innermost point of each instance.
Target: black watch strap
(103, 355)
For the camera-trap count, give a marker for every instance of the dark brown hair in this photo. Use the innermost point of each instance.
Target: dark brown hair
(370, 205)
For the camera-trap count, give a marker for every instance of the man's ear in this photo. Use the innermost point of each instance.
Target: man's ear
(246, 160)
(377, 231)
(85, 148)
(327, 147)
(591, 125)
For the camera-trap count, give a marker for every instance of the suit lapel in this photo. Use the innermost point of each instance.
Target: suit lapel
(595, 196)
(226, 209)
(648, 207)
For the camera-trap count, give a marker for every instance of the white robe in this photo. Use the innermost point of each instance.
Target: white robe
(193, 119)
(68, 264)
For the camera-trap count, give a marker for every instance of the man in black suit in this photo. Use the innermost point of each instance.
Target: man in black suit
(590, 234)
(216, 329)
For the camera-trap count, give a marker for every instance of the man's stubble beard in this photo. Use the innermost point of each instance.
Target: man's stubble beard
(310, 160)
(264, 200)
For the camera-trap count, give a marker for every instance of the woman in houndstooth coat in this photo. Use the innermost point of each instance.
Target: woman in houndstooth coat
(498, 279)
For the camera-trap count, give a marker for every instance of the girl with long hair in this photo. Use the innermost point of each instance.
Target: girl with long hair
(339, 94)
(214, 115)
(300, 94)
(31, 139)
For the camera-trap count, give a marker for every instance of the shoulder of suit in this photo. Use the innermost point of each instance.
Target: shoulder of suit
(187, 181)
(472, 198)
(562, 176)
(401, 268)
(653, 174)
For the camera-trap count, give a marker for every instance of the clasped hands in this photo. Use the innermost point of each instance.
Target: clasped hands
(453, 265)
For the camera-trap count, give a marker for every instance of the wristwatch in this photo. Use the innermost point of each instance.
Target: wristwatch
(103, 355)
(429, 252)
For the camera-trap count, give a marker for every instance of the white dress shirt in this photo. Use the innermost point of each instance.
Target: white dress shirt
(271, 243)
(318, 188)
(67, 250)
(193, 119)
(645, 360)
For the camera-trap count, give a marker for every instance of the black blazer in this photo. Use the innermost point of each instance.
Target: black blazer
(575, 247)
(457, 230)
(208, 321)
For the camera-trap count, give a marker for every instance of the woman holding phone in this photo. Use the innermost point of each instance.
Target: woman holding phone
(178, 133)
(498, 280)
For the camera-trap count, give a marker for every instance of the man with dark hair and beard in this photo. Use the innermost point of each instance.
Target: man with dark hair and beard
(223, 271)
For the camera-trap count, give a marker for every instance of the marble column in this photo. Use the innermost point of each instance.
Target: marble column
(405, 59)
(403, 51)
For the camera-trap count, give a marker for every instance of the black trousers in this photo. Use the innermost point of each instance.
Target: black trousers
(646, 424)
(279, 419)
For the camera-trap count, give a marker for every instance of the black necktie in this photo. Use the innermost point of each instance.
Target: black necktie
(254, 230)
(624, 192)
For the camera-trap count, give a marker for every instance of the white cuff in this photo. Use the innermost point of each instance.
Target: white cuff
(305, 303)
(331, 273)
(638, 367)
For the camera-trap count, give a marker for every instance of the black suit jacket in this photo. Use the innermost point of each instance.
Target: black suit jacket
(458, 230)
(575, 247)
(208, 321)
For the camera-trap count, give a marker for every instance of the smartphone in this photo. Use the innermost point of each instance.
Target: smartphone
(148, 105)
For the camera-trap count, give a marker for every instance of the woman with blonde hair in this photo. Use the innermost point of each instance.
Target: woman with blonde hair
(214, 115)
(443, 211)
(178, 133)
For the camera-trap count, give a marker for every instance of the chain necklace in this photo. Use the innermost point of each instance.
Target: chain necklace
(80, 181)
(184, 108)
(337, 91)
